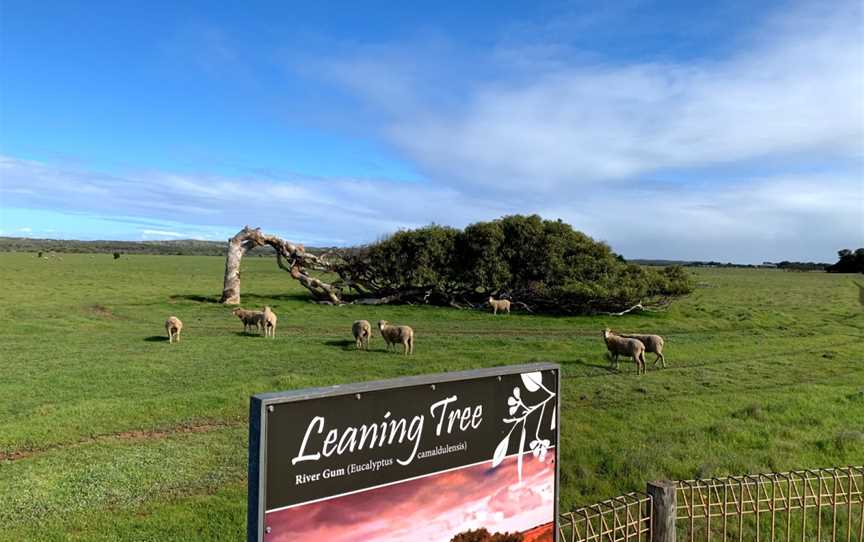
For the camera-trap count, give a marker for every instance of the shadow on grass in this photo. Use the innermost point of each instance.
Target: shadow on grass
(256, 299)
(345, 344)
(247, 334)
(156, 339)
(596, 366)
(197, 298)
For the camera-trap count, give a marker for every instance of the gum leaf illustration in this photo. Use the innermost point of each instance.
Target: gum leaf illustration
(532, 381)
(519, 412)
(501, 451)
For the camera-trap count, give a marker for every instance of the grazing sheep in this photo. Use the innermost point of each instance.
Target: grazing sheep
(627, 347)
(269, 322)
(173, 326)
(249, 319)
(362, 331)
(653, 344)
(403, 335)
(502, 305)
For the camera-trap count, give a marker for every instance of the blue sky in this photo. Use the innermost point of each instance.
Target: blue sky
(686, 130)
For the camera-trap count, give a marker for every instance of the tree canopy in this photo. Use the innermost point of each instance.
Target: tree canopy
(543, 263)
(848, 262)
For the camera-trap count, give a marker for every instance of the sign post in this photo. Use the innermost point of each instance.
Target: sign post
(411, 459)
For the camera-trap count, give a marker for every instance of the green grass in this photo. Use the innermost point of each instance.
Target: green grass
(115, 435)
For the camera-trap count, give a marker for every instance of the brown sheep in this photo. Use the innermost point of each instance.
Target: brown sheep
(403, 335)
(173, 326)
(362, 331)
(502, 305)
(250, 319)
(653, 344)
(627, 347)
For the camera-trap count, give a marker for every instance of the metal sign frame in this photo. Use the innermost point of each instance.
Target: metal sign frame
(262, 403)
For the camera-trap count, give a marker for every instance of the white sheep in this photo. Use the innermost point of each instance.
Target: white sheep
(502, 305)
(653, 344)
(626, 347)
(362, 331)
(269, 322)
(403, 335)
(173, 326)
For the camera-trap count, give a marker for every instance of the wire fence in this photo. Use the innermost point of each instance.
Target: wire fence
(808, 505)
(625, 518)
(813, 504)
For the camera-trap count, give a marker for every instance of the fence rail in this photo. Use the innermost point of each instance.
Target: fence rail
(623, 518)
(807, 505)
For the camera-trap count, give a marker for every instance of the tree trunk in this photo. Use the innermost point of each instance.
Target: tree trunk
(237, 247)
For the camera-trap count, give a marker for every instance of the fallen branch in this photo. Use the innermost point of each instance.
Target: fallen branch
(636, 307)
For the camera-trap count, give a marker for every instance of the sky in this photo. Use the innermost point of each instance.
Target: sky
(433, 508)
(728, 130)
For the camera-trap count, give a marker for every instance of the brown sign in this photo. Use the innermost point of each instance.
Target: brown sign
(412, 459)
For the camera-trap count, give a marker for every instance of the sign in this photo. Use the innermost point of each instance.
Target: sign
(408, 460)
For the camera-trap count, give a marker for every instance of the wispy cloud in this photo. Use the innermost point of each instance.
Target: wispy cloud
(802, 216)
(793, 88)
(149, 234)
(312, 210)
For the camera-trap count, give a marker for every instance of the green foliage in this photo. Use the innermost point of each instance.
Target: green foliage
(544, 263)
(849, 262)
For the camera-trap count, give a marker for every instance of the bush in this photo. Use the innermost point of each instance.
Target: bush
(544, 263)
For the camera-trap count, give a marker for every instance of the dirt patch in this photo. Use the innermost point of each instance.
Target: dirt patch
(124, 436)
(101, 311)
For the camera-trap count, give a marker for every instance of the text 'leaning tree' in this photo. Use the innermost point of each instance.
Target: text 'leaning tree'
(542, 264)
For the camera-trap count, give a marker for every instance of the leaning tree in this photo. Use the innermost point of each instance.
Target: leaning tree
(542, 264)
(289, 256)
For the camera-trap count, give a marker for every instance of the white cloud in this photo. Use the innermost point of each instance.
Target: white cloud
(25, 229)
(794, 87)
(794, 217)
(310, 210)
(747, 219)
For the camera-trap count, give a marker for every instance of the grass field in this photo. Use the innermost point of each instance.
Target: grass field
(109, 433)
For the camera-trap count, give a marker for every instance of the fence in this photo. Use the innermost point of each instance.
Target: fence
(809, 505)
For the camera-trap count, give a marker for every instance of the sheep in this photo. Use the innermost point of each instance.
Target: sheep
(362, 331)
(403, 335)
(269, 322)
(499, 305)
(249, 318)
(173, 326)
(628, 347)
(653, 344)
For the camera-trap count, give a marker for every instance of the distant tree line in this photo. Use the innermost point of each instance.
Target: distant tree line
(483, 535)
(849, 262)
(186, 247)
(785, 264)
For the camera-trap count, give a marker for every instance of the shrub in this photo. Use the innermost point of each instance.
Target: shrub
(544, 263)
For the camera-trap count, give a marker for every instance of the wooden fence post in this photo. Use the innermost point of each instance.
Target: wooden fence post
(663, 510)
